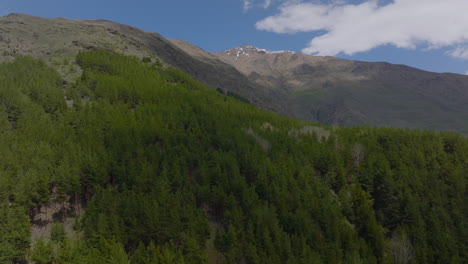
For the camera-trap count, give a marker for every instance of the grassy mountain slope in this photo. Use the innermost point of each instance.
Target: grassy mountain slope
(321, 89)
(58, 41)
(171, 171)
(342, 92)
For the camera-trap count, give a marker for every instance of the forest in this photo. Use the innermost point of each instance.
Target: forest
(170, 171)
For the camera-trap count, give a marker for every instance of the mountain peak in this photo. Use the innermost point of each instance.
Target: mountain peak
(247, 50)
(16, 15)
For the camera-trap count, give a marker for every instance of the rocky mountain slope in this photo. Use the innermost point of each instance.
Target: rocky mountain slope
(343, 92)
(58, 41)
(327, 90)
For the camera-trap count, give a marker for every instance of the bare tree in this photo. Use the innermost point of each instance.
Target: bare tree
(400, 248)
(358, 153)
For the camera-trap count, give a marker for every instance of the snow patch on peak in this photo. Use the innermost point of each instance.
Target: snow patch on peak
(247, 50)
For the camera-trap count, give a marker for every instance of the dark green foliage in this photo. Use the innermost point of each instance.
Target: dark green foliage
(43, 252)
(174, 172)
(146, 59)
(238, 97)
(14, 234)
(57, 233)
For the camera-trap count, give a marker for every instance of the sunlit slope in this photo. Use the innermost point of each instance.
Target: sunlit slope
(170, 171)
(342, 92)
(58, 40)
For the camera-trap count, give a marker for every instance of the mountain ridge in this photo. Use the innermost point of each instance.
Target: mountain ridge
(56, 39)
(326, 90)
(167, 170)
(336, 91)
(259, 50)
(137, 162)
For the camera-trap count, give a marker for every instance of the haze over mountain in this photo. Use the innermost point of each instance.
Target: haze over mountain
(327, 90)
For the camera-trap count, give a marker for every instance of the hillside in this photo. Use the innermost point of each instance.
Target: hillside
(321, 89)
(166, 170)
(326, 90)
(341, 92)
(58, 41)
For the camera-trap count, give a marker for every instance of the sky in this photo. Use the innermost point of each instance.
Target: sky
(426, 34)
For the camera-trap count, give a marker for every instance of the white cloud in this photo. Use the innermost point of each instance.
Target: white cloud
(267, 3)
(459, 52)
(352, 28)
(249, 4)
(466, 72)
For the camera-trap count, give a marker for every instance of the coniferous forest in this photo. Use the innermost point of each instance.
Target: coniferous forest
(170, 171)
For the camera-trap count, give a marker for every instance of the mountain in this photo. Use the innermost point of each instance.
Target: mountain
(135, 163)
(342, 92)
(326, 90)
(58, 41)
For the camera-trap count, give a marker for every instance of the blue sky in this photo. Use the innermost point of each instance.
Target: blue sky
(427, 34)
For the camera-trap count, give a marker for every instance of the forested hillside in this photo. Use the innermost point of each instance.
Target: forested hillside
(170, 171)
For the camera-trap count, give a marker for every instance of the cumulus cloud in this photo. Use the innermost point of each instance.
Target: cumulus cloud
(353, 28)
